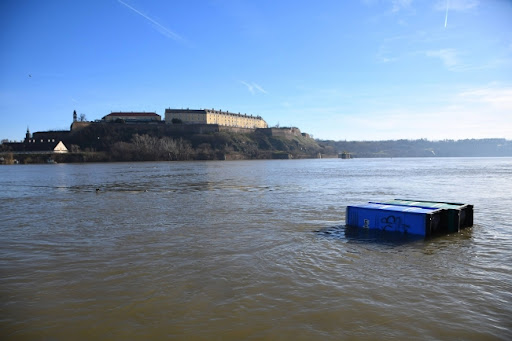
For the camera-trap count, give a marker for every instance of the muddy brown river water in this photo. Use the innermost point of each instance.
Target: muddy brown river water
(235, 250)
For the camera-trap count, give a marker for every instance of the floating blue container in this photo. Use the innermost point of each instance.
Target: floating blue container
(455, 216)
(413, 220)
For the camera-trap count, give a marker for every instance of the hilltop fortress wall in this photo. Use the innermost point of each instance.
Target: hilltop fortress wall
(283, 132)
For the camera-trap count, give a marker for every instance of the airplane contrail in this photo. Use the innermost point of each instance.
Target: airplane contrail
(165, 30)
(446, 17)
(259, 88)
(252, 87)
(249, 87)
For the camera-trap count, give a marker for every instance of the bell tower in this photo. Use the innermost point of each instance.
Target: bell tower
(74, 116)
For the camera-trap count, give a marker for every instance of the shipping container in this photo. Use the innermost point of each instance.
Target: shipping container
(458, 215)
(405, 219)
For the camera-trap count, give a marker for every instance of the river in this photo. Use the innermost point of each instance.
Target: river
(233, 250)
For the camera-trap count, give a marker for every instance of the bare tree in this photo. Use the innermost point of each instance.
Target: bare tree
(123, 151)
(146, 146)
(74, 148)
(184, 149)
(168, 149)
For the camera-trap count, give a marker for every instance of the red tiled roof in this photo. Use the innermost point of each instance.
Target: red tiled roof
(138, 114)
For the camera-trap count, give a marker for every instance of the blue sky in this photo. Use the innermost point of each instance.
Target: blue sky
(354, 70)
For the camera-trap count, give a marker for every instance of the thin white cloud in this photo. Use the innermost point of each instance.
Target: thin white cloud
(449, 57)
(161, 28)
(496, 97)
(384, 55)
(438, 111)
(400, 4)
(456, 5)
(458, 61)
(478, 113)
(254, 88)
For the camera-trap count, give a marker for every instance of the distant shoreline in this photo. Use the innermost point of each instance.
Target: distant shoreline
(39, 158)
(119, 142)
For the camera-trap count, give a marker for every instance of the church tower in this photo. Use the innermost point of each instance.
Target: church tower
(27, 135)
(74, 116)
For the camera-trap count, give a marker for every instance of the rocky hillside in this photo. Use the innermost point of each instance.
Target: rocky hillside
(119, 142)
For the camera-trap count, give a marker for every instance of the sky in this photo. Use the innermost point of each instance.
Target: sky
(339, 70)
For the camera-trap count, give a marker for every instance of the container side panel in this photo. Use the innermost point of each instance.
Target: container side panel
(387, 220)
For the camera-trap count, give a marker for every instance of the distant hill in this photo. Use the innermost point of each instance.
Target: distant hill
(421, 148)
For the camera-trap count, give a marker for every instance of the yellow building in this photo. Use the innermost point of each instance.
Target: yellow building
(211, 116)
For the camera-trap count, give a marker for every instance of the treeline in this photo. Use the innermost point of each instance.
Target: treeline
(213, 146)
(422, 148)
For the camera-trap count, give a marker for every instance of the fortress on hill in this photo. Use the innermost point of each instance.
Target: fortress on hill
(178, 122)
